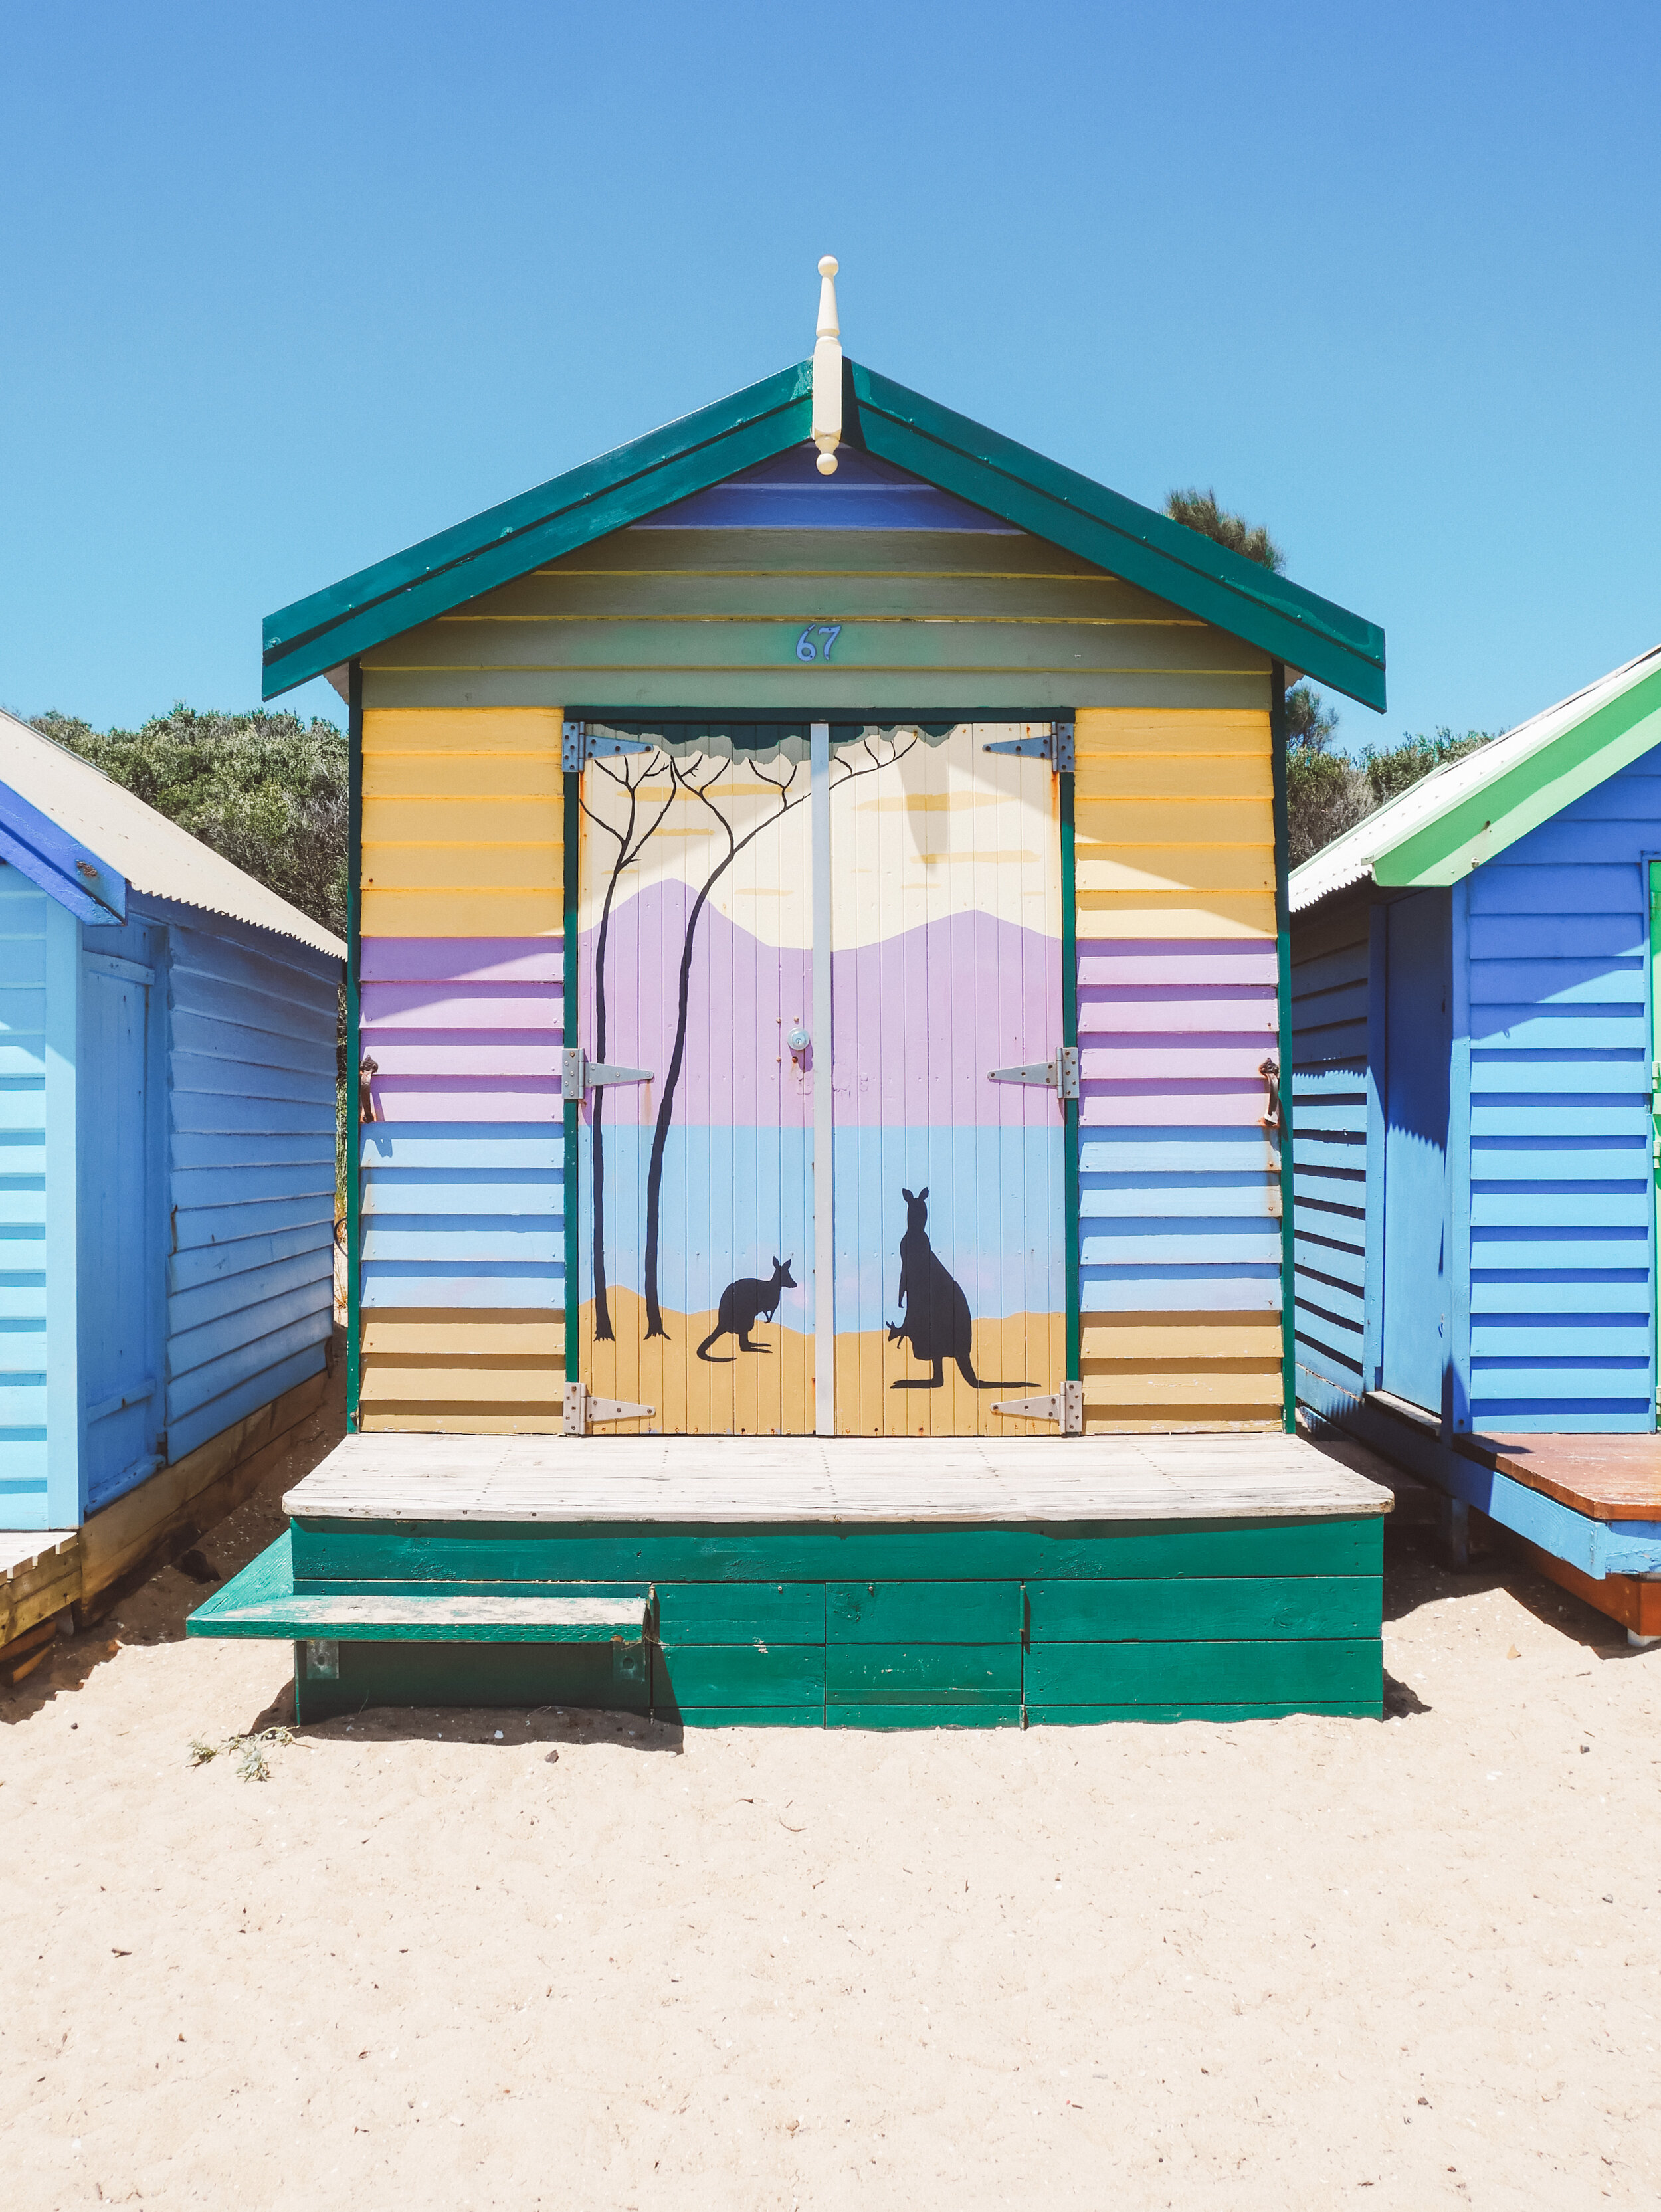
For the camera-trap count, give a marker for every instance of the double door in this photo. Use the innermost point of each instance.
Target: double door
(792, 1223)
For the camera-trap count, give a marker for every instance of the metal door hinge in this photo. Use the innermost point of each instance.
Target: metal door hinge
(1060, 1074)
(578, 743)
(583, 1410)
(1065, 1405)
(579, 1075)
(1058, 748)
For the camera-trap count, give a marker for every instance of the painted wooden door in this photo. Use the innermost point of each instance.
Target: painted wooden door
(945, 929)
(120, 1265)
(1413, 1330)
(695, 1207)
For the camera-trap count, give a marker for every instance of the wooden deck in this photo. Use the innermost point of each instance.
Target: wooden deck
(757, 1479)
(1608, 1478)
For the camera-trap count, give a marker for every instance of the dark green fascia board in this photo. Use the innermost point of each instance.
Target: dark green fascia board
(1008, 480)
(623, 486)
(1541, 785)
(1020, 486)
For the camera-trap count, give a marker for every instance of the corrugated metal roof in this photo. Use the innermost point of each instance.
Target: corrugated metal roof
(134, 841)
(1350, 858)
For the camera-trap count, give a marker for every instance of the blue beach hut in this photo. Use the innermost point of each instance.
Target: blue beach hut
(1476, 1098)
(167, 1179)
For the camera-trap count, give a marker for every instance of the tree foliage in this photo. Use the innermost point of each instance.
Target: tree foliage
(266, 790)
(1199, 510)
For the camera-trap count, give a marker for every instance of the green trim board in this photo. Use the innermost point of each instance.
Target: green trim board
(1071, 1199)
(1239, 597)
(570, 1208)
(354, 1017)
(1277, 739)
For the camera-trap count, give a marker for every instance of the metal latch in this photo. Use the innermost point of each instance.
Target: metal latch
(1065, 1405)
(1058, 748)
(579, 1075)
(579, 742)
(583, 1410)
(1060, 1075)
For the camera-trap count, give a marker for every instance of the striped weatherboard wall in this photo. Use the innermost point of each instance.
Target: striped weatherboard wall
(38, 955)
(1561, 1207)
(1330, 997)
(1179, 1198)
(460, 967)
(250, 1167)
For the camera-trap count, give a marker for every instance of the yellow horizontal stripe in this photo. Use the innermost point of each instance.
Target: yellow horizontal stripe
(1176, 776)
(1162, 868)
(1110, 914)
(465, 1330)
(462, 914)
(450, 776)
(1201, 1388)
(493, 1385)
(461, 867)
(1194, 818)
(1101, 733)
(1169, 1336)
(453, 1421)
(466, 730)
(1159, 1420)
(480, 818)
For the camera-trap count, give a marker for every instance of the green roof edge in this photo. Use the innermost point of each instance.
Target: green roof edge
(1009, 480)
(1496, 815)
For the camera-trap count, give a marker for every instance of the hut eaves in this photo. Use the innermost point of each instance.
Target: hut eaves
(85, 840)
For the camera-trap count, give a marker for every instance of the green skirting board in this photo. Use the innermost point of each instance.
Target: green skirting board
(793, 1625)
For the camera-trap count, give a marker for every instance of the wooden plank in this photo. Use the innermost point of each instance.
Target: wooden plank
(921, 1613)
(469, 731)
(1234, 1609)
(1104, 734)
(1611, 1478)
(922, 1673)
(41, 1574)
(484, 912)
(741, 1613)
(606, 1677)
(1049, 1713)
(956, 1713)
(1334, 1668)
(749, 1716)
(737, 1674)
(1140, 1336)
(502, 1334)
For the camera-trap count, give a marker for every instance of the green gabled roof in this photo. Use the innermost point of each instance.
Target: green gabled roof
(1472, 809)
(947, 450)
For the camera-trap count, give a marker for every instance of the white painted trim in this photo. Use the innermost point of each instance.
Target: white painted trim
(65, 1503)
(824, 1212)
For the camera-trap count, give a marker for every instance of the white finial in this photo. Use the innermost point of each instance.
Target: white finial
(827, 371)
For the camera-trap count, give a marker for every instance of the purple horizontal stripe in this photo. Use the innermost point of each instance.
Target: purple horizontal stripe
(459, 1099)
(461, 959)
(1228, 962)
(1175, 1012)
(1182, 1105)
(1194, 1056)
(489, 1053)
(447, 1006)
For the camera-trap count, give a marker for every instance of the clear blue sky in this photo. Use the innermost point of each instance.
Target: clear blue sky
(289, 287)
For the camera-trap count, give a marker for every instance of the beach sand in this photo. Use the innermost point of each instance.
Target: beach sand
(476, 1960)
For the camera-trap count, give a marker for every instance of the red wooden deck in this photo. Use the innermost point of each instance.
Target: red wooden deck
(1608, 1478)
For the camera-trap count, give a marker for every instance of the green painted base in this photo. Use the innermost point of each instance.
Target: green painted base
(805, 1626)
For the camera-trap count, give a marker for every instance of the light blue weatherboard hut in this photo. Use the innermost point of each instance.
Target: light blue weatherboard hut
(167, 1153)
(1475, 1101)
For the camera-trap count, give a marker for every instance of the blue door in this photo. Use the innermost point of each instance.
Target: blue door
(121, 1258)
(1418, 1034)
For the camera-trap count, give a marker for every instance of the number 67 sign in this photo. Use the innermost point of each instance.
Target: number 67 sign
(806, 648)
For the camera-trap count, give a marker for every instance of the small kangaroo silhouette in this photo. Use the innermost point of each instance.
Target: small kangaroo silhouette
(742, 1304)
(937, 1324)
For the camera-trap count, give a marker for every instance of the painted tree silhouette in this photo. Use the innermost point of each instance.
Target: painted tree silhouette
(699, 779)
(629, 844)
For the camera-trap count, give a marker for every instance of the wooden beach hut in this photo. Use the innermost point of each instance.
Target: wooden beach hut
(1477, 1084)
(818, 969)
(166, 1183)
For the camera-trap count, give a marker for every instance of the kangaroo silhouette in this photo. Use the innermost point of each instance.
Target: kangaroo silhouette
(937, 1324)
(742, 1304)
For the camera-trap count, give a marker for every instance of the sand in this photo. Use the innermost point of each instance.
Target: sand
(577, 1962)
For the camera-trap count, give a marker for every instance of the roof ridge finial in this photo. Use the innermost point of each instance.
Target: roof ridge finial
(827, 371)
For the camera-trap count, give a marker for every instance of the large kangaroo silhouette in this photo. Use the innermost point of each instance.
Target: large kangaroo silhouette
(937, 1323)
(741, 1304)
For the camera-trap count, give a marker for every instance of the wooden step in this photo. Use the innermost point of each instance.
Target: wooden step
(263, 1601)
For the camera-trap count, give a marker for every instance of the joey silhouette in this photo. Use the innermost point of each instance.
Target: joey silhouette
(937, 1324)
(742, 1304)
